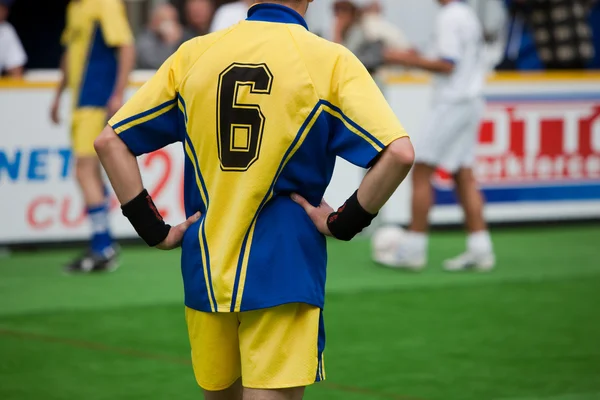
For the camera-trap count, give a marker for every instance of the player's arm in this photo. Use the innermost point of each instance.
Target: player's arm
(412, 59)
(117, 34)
(62, 84)
(124, 174)
(150, 120)
(126, 62)
(367, 134)
(448, 49)
(382, 180)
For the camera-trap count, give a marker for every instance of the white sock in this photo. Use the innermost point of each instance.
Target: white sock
(479, 242)
(417, 242)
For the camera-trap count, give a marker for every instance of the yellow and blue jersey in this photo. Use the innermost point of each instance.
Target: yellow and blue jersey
(94, 29)
(262, 110)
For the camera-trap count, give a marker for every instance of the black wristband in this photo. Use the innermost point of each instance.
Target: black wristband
(145, 218)
(349, 220)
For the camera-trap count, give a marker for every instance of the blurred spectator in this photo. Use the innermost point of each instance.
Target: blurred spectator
(198, 15)
(377, 28)
(349, 32)
(359, 25)
(162, 37)
(230, 14)
(561, 31)
(12, 55)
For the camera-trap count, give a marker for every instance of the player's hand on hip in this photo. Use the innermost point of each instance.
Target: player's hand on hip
(318, 215)
(176, 233)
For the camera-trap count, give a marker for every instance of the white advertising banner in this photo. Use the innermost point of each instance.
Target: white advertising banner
(538, 159)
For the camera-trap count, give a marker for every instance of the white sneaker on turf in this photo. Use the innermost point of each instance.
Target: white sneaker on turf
(471, 261)
(401, 260)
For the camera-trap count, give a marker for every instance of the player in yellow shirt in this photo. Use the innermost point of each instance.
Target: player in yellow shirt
(262, 110)
(98, 57)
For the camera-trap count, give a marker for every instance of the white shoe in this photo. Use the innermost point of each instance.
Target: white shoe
(471, 261)
(400, 260)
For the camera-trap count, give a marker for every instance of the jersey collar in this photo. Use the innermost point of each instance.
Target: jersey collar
(269, 12)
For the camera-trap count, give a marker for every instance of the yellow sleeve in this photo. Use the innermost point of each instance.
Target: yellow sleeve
(155, 116)
(114, 23)
(365, 123)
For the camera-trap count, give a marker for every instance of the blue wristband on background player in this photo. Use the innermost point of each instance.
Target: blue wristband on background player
(349, 220)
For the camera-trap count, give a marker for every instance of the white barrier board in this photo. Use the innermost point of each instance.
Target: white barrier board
(538, 159)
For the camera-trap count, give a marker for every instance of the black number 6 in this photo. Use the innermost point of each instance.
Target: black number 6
(240, 126)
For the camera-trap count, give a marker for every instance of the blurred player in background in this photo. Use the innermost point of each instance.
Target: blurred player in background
(230, 14)
(198, 16)
(161, 38)
(360, 26)
(12, 55)
(99, 56)
(450, 137)
(263, 109)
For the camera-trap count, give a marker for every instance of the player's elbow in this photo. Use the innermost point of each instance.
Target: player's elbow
(106, 141)
(401, 151)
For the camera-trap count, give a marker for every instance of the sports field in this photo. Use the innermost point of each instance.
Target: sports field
(529, 330)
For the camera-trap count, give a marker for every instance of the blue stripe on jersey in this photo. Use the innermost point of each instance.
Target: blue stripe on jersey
(190, 175)
(195, 171)
(354, 124)
(192, 199)
(207, 255)
(154, 134)
(196, 295)
(182, 101)
(144, 114)
(100, 75)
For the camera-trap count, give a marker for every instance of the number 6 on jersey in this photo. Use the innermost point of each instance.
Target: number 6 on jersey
(240, 126)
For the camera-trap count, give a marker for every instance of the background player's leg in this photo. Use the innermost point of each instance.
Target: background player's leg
(471, 200)
(89, 178)
(422, 197)
(412, 251)
(479, 252)
(101, 255)
(276, 394)
(234, 392)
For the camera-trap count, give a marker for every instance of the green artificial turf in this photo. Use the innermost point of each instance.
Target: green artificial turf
(528, 330)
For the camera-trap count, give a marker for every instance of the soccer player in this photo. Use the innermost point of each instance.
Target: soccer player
(262, 110)
(450, 137)
(99, 55)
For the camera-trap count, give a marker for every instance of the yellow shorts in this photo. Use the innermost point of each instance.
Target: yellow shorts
(86, 125)
(273, 348)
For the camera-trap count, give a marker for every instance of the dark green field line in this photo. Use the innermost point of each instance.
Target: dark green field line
(133, 353)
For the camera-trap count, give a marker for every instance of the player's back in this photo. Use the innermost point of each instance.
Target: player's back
(460, 40)
(251, 148)
(260, 115)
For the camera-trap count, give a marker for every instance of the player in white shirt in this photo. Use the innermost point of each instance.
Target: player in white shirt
(230, 14)
(450, 137)
(12, 55)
